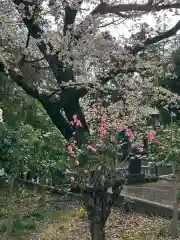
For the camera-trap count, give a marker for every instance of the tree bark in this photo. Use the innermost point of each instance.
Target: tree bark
(96, 216)
(97, 228)
(10, 208)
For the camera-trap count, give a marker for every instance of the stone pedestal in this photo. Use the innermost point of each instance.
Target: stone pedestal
(134, 171)
(134, 165)
(135, 178)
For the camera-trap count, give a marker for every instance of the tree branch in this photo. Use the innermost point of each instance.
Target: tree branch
(60, 192)
(36, 32)
(134, 50)
(119, 9)
(169, 33)
(116, 71)
(17, 77)
(104, 8)
(61, 72)
(70, 15)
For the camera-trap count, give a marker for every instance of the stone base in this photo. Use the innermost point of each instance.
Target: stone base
(135, 178)
(139, 178)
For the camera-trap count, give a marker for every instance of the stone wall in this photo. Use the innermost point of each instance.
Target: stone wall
(146, 207)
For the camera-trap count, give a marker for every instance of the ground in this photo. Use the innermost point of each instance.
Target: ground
(119, 227)
(60, 219)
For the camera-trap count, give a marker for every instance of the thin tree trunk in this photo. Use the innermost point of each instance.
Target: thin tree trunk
(175, 203)
(42, 193)
(97, 229)
(10, 208)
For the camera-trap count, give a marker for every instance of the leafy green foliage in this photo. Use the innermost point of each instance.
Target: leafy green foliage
(168, 149)
(20, 225)
(28, 139)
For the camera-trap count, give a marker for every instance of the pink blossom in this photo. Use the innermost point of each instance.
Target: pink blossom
(130, 134)
(119, 128)
(70, 149)
(67, 171)
(152, 136)
(72, 179)
(153, 133)
(113, 138)
(103, 129)
(89, 147)
(77, 121)
(93, 149)
(75, 118)
(76, 163)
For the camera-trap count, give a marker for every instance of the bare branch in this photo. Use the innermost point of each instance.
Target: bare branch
(105, 8)
(115, 22)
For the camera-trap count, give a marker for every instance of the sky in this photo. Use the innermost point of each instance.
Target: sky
(124, 28)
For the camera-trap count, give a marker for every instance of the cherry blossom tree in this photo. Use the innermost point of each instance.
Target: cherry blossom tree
(75, 45)
(61, 67)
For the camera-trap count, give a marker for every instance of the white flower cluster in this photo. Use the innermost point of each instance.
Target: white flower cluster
(2, 172)
(1, 116)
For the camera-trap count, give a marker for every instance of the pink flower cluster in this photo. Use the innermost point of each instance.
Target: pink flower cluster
(113, 138)
(70, 150)
(130, 134)
(103, 129)
(93, 149)
(119, 128)
(152, 136)
(76, 121)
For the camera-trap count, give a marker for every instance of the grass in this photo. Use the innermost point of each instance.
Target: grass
(32, 221)
(47, 224)
(20, 225)
(27, 222)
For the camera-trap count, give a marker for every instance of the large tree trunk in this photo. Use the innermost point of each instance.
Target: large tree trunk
(98, 200)
(95, 216)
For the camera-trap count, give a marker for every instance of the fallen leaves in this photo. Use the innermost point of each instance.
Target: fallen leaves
(120, 226)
